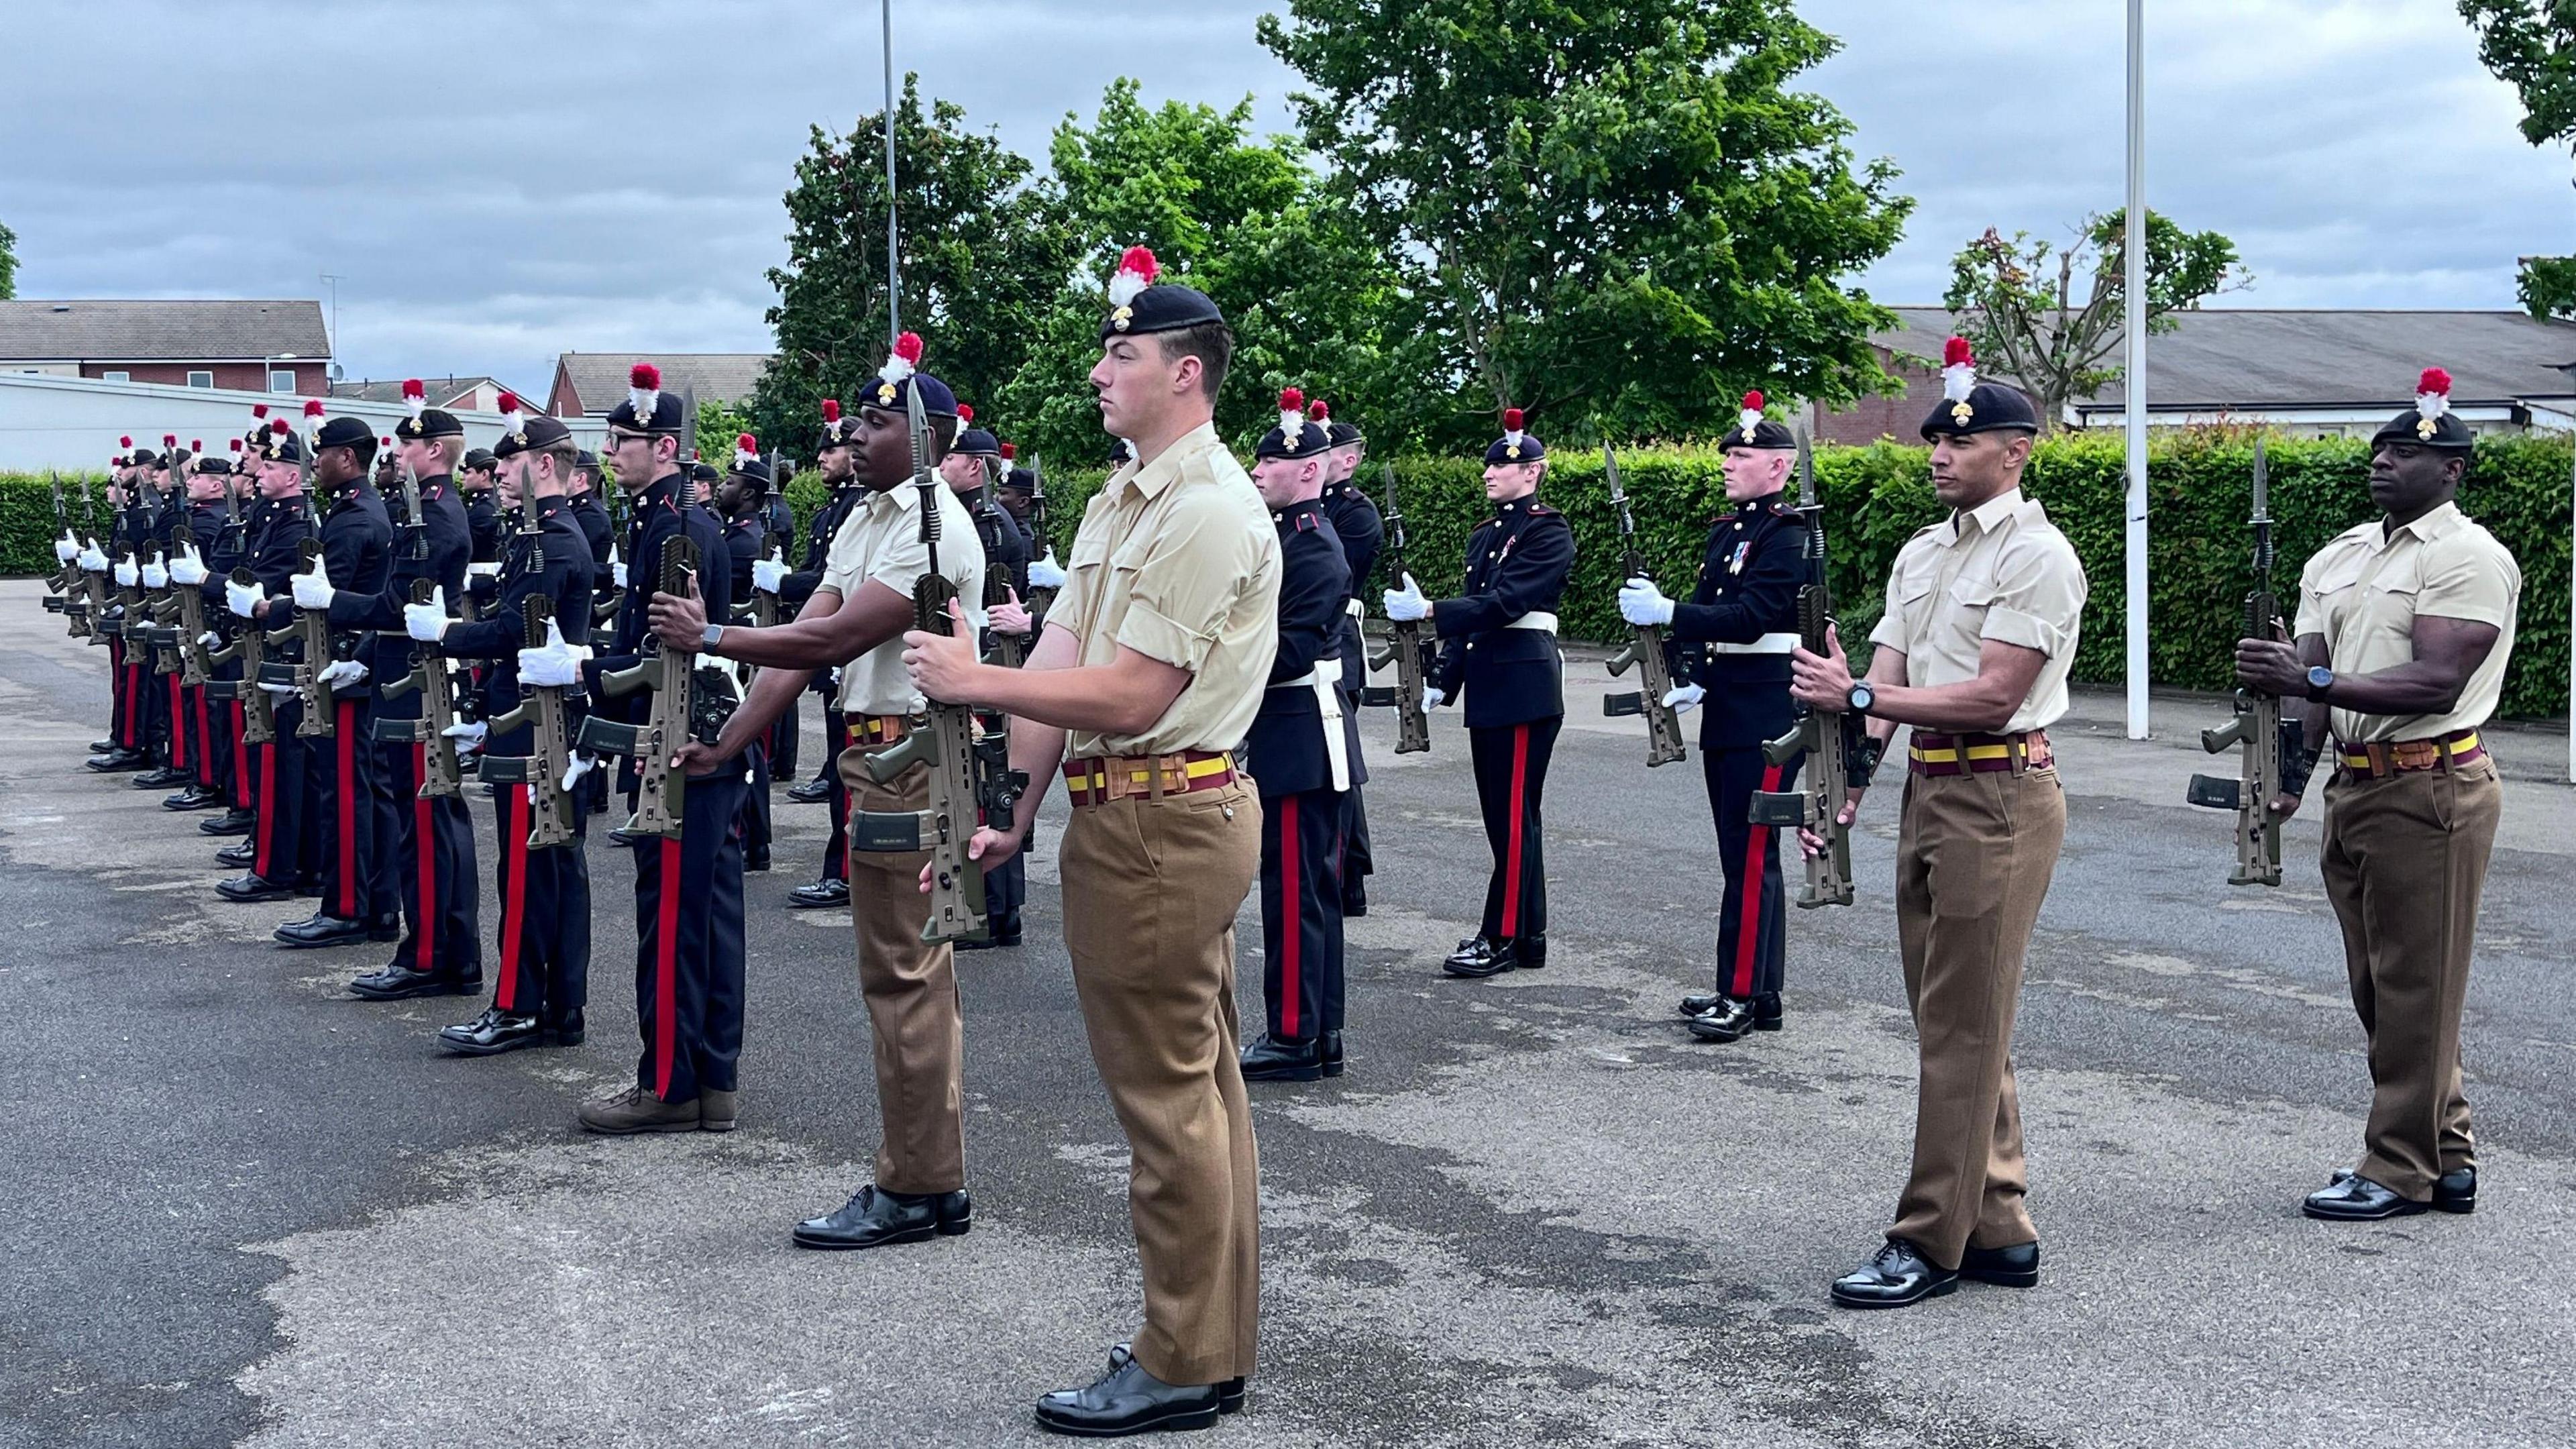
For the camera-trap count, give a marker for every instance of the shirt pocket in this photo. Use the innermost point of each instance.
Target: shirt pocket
(1965, 604)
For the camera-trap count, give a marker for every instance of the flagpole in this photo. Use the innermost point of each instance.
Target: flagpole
(894, 274)
(2135, 380)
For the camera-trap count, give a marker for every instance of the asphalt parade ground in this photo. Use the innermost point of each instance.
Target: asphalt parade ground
(243, 1207)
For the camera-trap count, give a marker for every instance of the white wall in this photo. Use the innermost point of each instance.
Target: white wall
(72, 423)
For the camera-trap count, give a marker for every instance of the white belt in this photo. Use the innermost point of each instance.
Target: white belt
(486, 570)
(1325, 680)
(1353, 608)
(1539, 619)
(1767, 644)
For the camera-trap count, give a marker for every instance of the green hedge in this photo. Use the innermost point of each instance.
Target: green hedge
(1876, 497)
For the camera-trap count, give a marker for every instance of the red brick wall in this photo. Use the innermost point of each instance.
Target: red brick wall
(240, 376)
(1872, 418)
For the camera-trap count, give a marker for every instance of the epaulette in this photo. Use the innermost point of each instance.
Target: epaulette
(1308, 522)
(1540, 510)
(1784, 509)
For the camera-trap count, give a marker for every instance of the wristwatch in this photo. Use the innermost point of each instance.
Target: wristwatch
(712, 636)
(2320, 679)
(1861, 697)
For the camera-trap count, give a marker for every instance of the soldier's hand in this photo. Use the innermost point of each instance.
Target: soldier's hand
(2272, 667)
(1812, 844)
(989, 848)
(1822, 682)
(694, 759)
(1683, 698)
(1009, 618)
(680, 623)
(2284, 806)
(943, 665)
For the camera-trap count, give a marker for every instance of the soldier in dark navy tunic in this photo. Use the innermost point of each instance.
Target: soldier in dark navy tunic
(1304, 751)
(971, 469)
(1355, 519)
(284, 847)
(1498, 643)
(740, 499)
(1731, 641)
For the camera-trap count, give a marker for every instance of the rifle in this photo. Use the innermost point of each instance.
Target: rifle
(688, 704)
(440, 773)
(541, 769)
(311, 626)
(1840, 754)
(1406, 649)
(971, 779)
(1645, 648)
(2256, 727)
(1041, 521)
(415, 527)
(101, 628)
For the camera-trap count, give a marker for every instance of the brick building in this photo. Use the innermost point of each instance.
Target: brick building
(592, 384)
(243, 346)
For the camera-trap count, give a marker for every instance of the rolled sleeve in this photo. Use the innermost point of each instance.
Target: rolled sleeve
(2007, 625)
(2469, 586)
(1150, 633)
(1183, 590)
(2040, 603)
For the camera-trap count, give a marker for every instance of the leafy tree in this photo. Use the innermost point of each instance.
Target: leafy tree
(1311, 299)
(1612, 213)
(2531, 46)
(2051, 319)
(983, 253)
(8, 264)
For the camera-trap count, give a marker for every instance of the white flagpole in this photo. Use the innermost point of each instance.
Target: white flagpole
(2136, 375)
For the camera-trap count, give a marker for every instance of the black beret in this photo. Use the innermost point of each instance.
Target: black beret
(1019, 480)
(432, 423)
(346, 433)
(755, 468)
(1753, 430)
(584, 458)
(535, 435)
(214, 467)
(703, 473)
(1969, 407)
(145, 458)
(664, 423)
(1297, 436)
(283, 447)
(1344, 435)
(478, 458)
(1137, 305)
(978, 443)
(2430, 423)
(1514, 446)
(896, 396)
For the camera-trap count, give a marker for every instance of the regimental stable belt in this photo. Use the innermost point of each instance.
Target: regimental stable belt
(1100, 780)
(2378, 761)
(877, 729)
(1781, 643)
(1936, 755)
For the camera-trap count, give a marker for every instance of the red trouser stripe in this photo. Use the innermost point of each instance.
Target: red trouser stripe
(133, 707)
(1292, 932)
(666, 960)
(1748, 927)
(347, 730)
(205, 738)
(1512, 852)
(514, 898)
(265, 861)
(424, 846)
(178, 725)
(241, 755)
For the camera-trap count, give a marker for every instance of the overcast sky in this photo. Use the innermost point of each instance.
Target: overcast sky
(499, 182)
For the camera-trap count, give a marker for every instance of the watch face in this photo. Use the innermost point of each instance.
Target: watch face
(2319, 677)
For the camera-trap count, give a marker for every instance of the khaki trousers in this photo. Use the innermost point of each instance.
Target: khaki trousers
(2405, 862)
(1973, 859)
(911, 991)
(1151, 888)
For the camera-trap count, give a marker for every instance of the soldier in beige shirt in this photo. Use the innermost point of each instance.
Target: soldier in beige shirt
(1982, 615)
(1151, 667)
(855, 619)
(2405, 626)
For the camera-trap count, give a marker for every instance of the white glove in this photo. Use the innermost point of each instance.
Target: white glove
(279, 688)
(1044, 574)
(1407, 605)
(616, 568)
(92, 560)
(1642, 604)
(66, 548)
(155, 576)
(427, 622)
(836, 677)
(581, 765)
(127, 575)
(553, 664)
(768, 573)
(210, 640)
(1683, 698)
(1432, 698)
(243, 599)
(187, 568)
(345, 671)
(468, 734)
(313, 591)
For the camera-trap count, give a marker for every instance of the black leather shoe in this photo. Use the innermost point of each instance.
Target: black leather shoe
(2455, 1191)
(240, 852)
(622, 838)
(812, 792)
(321, 930)
(2357, 1199)
(492, 1033)
(1477, 957)
(1529, 950)
(1229, 1394)
(1127, 1400)
(2013, 1267)
(231, 822)
(1332, 1054)
(1271, 1060)
(1729, 1020)
(1354, 903)
(819, 895)
(252, 886)
(567, 1032)
(1767, 1015)
(161, 779)
(875, 1218)
(1703, 1003)
(999, 932)
(755, 860)
(100, 747)
(195, 797)
(1896, 1276)
(401, 983)
(118, 762)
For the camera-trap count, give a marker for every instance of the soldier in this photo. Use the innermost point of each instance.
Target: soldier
(740, 504)
(831, 889)
(1354, 516)
(208, 751)
(1151, 675)
(543, 984)
(284, 857)
(688, 892)
(115, 754)
(1732, 641)
(345, 789)
(156, 691)
(427, 842)
(1303, 748)
(475, 480)
(1498, 641)
(233, 514)
(855, 616)
(969, 470)
(1980, 630)
(2405, 627)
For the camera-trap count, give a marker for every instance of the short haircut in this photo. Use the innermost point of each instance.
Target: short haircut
(566, 455)
(1212, 343)
(365, 451)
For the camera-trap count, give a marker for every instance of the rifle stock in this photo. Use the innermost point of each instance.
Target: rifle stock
(541, 711)
(442, 773)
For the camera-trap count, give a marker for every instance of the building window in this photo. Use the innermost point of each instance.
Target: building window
(201, 379)
(281, 379)
(116, 377)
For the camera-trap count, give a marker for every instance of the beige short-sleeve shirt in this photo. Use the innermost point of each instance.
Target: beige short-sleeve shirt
(2364, 589)
(1998, 571)
(881, 540)
(1177, 560)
